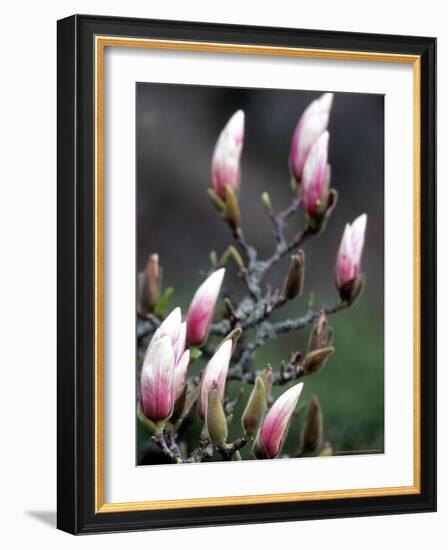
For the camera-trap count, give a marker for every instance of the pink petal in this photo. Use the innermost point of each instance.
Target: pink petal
(215, 373)
(358, 233)
(277, 420)
(227, 154)
(312, 124)
(314, 174)
(179, 346)
(348, 262)
(157, 380)
(202, 308)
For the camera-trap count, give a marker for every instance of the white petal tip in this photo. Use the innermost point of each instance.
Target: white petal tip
(175, 315)
(360, 223)
(218, 275)
(326, 101)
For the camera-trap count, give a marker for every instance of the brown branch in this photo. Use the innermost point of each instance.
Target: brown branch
(287, 373)
(268, 331)
(227, 451)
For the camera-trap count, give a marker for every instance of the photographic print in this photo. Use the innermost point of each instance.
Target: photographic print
(260, 266)
(246, 274)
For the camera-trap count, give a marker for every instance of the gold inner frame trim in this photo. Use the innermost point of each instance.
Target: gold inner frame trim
(101, 42)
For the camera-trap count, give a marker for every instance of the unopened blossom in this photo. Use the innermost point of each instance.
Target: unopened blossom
(173, 329)
(157, 381)
(226, 156)
(215, 375)
(202, 308)
(311, 125)
(151, 284)
(273, 431)
(314, 182)
(348, 263)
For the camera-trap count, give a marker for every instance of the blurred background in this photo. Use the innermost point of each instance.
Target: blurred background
(177, 127)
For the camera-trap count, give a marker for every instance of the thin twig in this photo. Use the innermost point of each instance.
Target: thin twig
(287, 373)
(227, 451)
(284, 248)
(268, 331)
(201, 450)
(160, 441)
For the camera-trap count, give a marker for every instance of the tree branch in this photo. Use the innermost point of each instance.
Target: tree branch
(160, 441)
(268, 331)
(202, 449)
(227, 451)
(284, 248)
(287, 373)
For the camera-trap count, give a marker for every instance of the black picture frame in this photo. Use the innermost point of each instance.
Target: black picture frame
(76, 253)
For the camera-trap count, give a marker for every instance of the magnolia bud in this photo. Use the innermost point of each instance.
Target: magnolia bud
(202, 308)
(293, 285)
(255, 408)
(232, 252)
(348, 264)
(157, 380)
(349, 280)
(215, 373)
(274, 428)
(150, 295)
(322, 335)
(236, 256)
(315, 182)
(267, 202)
(311, 125)
(316, 360)
(266, 377)
(313, 430)
(232, 210)
(216, 419)
(226, 156)
(173, 327)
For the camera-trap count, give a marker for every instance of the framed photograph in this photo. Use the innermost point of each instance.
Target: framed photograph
(246, 274)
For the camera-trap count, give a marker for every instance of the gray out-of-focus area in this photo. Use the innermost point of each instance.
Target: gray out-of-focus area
(176, 130)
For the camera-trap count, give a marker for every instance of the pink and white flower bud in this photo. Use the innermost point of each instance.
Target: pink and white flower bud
(176, 332)
(275, 424)
(171, 327)
(348, 263)
(227, 154)
(312, 123)
(202, 308)
(215, 373)
(157, 378)
(314, 182)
